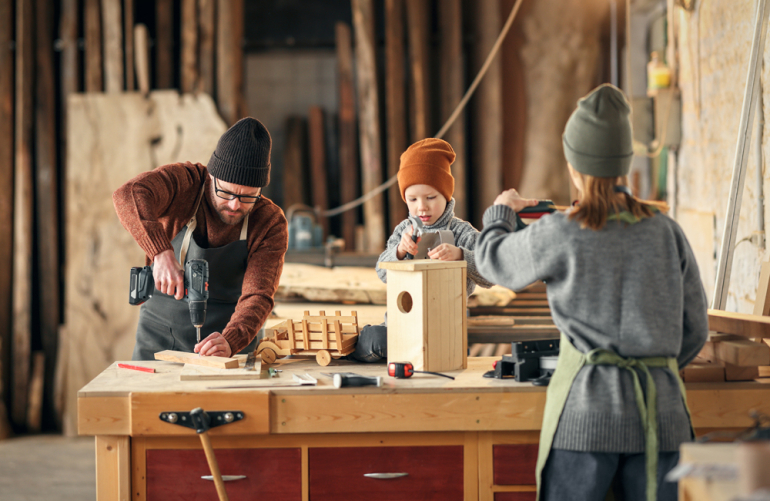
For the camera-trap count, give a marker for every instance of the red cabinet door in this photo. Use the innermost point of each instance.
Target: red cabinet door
(350, 473)
(175, 474)
(514, 464)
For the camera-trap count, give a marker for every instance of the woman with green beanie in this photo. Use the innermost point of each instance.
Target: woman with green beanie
(625, 291)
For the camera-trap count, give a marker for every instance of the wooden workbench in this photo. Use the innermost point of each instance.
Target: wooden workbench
(471, 438)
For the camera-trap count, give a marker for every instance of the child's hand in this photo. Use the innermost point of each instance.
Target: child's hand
(406, 245)
(446, 252)
(512, 199)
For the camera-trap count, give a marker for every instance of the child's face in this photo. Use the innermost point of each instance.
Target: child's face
(425, 202)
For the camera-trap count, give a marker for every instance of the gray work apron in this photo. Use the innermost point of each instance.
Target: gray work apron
(164, 322)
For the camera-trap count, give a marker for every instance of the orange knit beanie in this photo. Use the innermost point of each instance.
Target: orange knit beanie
(427, 162)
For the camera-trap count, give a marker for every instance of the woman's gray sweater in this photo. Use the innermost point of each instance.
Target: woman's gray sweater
(631, 289)
(465, 238)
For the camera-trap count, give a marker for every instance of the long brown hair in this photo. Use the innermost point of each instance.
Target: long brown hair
(599, 200)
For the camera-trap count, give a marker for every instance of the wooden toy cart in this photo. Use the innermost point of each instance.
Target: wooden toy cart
(324, 336)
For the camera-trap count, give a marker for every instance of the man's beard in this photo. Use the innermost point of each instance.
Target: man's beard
(229, 219)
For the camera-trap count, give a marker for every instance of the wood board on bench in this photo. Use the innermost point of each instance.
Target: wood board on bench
(202, 373)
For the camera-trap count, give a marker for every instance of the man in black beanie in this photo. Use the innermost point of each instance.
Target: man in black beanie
(186, 211)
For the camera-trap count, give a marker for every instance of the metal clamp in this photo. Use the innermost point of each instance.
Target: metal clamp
(201, 421)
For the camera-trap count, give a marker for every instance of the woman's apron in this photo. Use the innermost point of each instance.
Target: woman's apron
(571, 360)
(164, 322)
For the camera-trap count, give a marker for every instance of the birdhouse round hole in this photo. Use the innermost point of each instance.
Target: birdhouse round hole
(404, 302)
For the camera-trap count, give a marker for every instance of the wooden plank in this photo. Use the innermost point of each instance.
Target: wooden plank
(369, 121)
(164, 44)
(743, 352)
(23, 213)
(207, 19)
(739, 373)
(7, 75)
(741, 324)
(229, 60)
(128, 31)
(113, 45)
(348, 144)
(295, 163)
(113, 467)
(452, 88)
(195, 359)
(514, 99)
(762, 304)
(69, 27)
(318, 168)
(201, 373)
(395, 103)
(142, 58)
(421, 265)
(189, 63)
(703, 372)
(419, 31)
(93, 52)
(47, 283)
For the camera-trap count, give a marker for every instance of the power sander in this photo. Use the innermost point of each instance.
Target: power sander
(196, 289)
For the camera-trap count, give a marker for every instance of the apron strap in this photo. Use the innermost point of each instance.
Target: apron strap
(191, 225)
(245, 227)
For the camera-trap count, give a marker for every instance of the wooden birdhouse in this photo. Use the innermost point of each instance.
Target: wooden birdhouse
(426, 314)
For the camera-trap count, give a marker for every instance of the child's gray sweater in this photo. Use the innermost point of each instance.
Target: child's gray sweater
(465, 238)
(631, 289)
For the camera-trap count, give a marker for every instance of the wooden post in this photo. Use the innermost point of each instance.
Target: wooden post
(418, 24)
(93, 56)
(141, 59)
(207, 18)
(452, 88)
(295, 163)
(113, 45)
(189, 77)
(23, 210)
(229, 60)
(348, 151)
(164, 44)
(369, 122)
(395, 102)
(487, 110)
(47, 203)
(317, 141)
(128, 31)
(514, 100)
(6, 207)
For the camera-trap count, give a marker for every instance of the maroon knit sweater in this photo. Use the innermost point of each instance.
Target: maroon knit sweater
(156, 205)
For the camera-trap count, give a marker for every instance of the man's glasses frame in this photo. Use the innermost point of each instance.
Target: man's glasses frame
(226, 195)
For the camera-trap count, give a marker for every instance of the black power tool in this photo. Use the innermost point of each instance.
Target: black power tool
(196, 289)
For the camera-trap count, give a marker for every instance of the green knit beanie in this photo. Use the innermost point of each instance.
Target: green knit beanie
(598, 140)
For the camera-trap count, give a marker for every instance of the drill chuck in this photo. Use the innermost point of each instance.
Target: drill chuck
(198, 313)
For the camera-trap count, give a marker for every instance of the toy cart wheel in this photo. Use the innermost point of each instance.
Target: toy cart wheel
(268, 355)
(323, 357)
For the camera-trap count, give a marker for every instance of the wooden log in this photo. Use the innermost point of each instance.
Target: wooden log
(207, 19)
(418, 29)
(514, 99)
(395, 102)
(762, 304)
(23, 212)
(743, 352)
(348, 149)
(164, 44)
(369, 121)
(113, 45)
(740, 324)
(128, 31)
(295, 163)
(93, 53)
(229, 60)
(47, 284)
(452, 88)
(184, 357)
(487, 109)
(189, 76)
(142, 58)
(6, 207)
(318, 170)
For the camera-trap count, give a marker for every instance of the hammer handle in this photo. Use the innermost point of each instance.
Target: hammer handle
(213, 466)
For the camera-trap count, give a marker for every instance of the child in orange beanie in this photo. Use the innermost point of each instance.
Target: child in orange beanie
(426, 185)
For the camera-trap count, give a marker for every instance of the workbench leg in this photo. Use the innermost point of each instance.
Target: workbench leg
(113, 468)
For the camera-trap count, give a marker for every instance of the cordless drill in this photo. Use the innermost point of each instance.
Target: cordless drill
(196, 289)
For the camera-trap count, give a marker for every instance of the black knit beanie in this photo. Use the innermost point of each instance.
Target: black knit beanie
(243, 154)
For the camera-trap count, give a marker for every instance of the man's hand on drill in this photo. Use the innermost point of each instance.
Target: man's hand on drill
(215, 345)
(168, 274)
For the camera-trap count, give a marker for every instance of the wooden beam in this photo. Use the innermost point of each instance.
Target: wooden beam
(348, 150)
(128, 31)
(762, 304)
(184, 357)
(418, 29)
(318, 170)
(452, 89)
(164, 44)
(142, 58)
(23, 210)
(229, 60)
(47, 283)
(740, 324)
(295, 163)
(113, 45)
(369, 122)
(93, 55)
(189, 77)
(6, 207)
(207, 19)
(743, 352)
(395, 102)
(514, 99)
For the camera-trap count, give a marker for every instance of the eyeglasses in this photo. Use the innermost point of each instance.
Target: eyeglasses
(226, 195)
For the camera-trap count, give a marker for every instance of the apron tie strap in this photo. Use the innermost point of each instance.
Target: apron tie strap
(191, 225)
